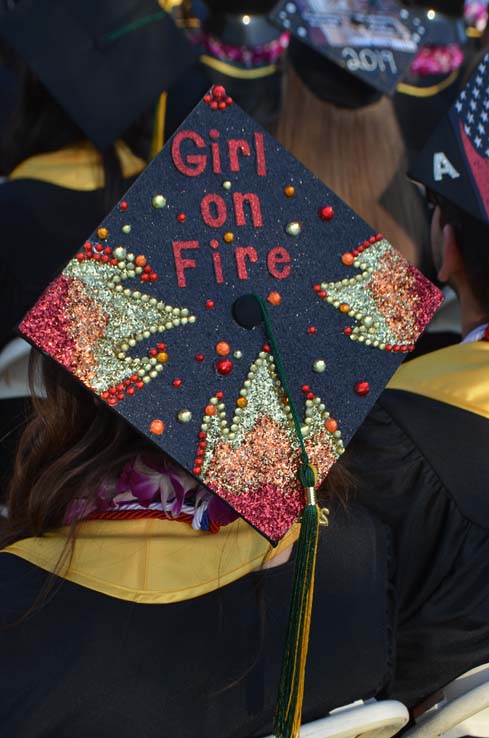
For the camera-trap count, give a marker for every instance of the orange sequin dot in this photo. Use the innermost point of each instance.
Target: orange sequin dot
(223, 348)
(157, 427)
(162, 357)
(347, 259)
(140, 260)
(103, 233)
(228, 237)
(331, 425)
(241, 402)
(344, 307)
(274, 298)
(210, 410)
(289, 191)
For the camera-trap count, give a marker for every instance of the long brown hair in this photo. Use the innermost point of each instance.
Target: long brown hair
(359, 154)
(71, 444)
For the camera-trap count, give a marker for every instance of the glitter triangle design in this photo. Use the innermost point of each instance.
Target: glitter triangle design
(258, 453)
(92, 323)
(389, 299)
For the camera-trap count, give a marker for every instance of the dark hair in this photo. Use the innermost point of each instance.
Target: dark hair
(472, 237)
(70, 446)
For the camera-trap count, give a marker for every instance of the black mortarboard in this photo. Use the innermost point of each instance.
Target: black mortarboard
(237, 313)
(374, 40)
(243, 51)
(161, 327)
(455, 161)
(104, 62)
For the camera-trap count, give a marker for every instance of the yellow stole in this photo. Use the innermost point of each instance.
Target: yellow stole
(457, 375)
(152, 561)
(76, 167)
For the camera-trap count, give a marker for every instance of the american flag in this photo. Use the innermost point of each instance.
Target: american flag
(472, 113)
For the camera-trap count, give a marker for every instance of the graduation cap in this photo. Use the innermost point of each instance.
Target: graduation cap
(455, 161)
(104, 62)
(243, 318)
(374, 40)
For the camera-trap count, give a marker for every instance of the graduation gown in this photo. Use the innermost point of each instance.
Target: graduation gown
(422, 463)
(157, 630)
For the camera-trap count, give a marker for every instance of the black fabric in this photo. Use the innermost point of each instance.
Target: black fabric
(86, 664)
(117, 57)
(41, 227)
(424, 468)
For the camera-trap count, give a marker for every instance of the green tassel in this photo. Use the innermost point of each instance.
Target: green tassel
(291, 688)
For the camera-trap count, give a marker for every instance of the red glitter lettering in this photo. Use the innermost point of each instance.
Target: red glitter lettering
(198, 161)
(254, 202)
(278, 255)
(235, 146)
(215, 221)
(242, 253)
(261, 165)
(216, 259)
(180, 263)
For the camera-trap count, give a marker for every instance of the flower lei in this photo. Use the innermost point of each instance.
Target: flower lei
(147, 489)
(437, 60)
(247, 56)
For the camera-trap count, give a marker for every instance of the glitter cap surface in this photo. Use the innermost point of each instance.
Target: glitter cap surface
(373, 41)
(160, 313)
(455, 161)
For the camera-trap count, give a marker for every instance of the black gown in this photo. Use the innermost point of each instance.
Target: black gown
(88, 664)
(422, 463)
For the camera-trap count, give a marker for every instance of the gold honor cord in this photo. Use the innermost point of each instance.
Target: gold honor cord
(159, 125)
(230, 71)
(414, 91)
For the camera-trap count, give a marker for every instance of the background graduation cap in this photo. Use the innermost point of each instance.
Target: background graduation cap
(243, 51)
(455, 160)
(236, 312)
(105, 62)
(374, 40)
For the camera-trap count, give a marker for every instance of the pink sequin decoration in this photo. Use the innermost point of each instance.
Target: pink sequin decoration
(404, 297)
(47, 325)
(259, 478)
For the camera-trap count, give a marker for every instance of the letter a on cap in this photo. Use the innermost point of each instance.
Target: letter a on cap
(442, 166)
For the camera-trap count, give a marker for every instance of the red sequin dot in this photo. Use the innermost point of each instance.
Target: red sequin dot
(177, 382)
(362, 388)
(181, 217)
(209, 304)
(207, 98)
(347, 330)
(196, 470)
(99, 247)
(87, 246)
(372, 239)
(202, 434)
(322, 294)
(152, 352)
(104, 395)
(120, 395)
(112, 401)
(219, 395)
(317, 288)
(388, 347)
(161, 346)
(310, 396)
(214, 105)
(199, 357)
(80, 257)
(144, 277)
(326, 213)
(312, 330)
(224, 367)
(305, 388)
(266, 348)
(218, 92)
(153, 277)
(123, 205)
(130, 390)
